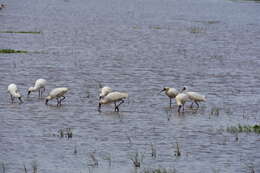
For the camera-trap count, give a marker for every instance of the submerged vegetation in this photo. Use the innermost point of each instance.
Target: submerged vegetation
(21, 32)
(159, 170)
(244, 129)
(12, 51)
(196, 30)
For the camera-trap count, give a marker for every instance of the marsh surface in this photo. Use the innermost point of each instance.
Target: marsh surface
(138, 46)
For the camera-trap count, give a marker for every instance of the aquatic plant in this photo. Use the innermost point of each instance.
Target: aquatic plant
(137, 159)
(94, 160)
(153, 151)
(25, 169)
(67, 132)
(177, 151)
(196, 30)
(75, 150)
(244, 128)
(108, 158)
(21, 32)
(155, 27)
(34, 166)
(215, 111)
(159, 170)
(3, 167)
(212, 22)
(12, 51)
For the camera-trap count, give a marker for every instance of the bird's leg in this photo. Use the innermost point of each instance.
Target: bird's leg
(191, 106)
(179, 108)
(116, 108)
(58, 101)
(122, 101)
(43, 90)
(170, 102)
(12, 99)
(197, 104)
(183, 107)
(40, 93)
(63, 97)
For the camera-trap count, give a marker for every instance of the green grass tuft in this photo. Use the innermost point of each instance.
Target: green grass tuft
(12, 51)
(197, 30)
(244, 129)
(21, 32)
(158, 170)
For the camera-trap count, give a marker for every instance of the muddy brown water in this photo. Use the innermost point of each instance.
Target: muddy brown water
(137, 46)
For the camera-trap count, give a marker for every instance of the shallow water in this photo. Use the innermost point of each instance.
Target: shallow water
(137, 46)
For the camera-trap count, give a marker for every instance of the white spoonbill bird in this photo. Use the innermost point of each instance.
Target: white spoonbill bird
(38, 86)
(170, 92)
(2, 6)
(181, 99)
(113, 97)
(194, 97)
(57, 93)
(104, 91)
(14, 93)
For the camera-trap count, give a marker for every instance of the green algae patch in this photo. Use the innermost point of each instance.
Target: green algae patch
(21, 32)
(12, 51)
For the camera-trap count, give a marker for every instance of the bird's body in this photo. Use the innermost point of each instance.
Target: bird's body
(104, 92)
(171, 93)
(57, 93)
(181, 99)
(113, 97)
(195, 97)
(39, 86)
(14, 93)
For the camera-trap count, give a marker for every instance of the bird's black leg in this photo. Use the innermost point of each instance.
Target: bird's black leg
(117, 106)
(179, 108)
(170, 102)
(191, 106)
(122, 101)
(12, 99)
(39, 93)
(183, 107)
(58, 101)
(43, 90)
(40, 90)
(197, 104)
(63, 97)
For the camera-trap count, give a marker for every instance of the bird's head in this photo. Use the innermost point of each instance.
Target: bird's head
(184, 89)
(165, 89)
(29, 91)
(20, 99)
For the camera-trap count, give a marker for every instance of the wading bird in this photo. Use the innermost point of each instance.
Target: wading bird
(194, 97)
(170, 92)
(38, 86)
(2, 6)
(104, 91)
(57, 93)
(113, 97)
(181, 99)
(14, 93)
